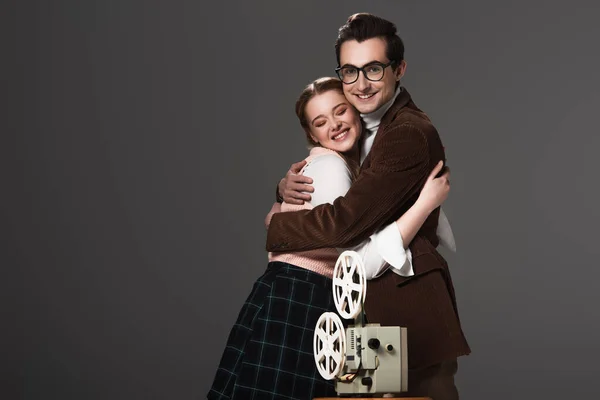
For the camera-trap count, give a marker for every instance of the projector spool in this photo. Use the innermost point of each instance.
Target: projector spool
(329, 345)
(349, 284)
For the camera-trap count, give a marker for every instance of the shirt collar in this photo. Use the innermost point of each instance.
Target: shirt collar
(372, 119)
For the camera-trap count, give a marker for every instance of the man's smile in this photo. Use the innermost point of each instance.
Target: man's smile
(365, 96)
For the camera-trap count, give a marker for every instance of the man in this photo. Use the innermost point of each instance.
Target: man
(400, 149)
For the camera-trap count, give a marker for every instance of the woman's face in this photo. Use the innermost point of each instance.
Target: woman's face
(332, 121)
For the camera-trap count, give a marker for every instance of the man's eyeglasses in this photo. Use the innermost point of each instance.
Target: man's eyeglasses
(373, 72)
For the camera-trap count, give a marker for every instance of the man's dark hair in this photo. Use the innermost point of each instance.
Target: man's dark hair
(364, 26)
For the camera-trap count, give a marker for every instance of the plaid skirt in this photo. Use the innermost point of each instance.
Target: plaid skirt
(269, 352)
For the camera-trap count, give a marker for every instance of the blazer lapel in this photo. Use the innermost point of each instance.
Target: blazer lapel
(401, 101)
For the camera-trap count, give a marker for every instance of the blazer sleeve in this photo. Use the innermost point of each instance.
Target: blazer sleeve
(400, 164)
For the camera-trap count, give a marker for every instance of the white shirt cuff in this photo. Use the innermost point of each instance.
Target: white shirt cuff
(389, 244)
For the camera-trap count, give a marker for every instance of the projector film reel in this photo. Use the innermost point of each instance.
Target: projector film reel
(349, 284)
(329, 345)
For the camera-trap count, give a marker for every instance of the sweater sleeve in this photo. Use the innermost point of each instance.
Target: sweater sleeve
(331, 178)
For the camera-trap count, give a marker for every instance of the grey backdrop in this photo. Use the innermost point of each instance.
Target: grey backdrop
(143, 141)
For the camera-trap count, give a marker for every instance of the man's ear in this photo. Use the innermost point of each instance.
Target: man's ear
(400, 70)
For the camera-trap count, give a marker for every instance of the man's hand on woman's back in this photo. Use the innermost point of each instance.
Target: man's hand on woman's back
(292, 186)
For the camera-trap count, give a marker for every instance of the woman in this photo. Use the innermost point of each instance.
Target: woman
(269, 353)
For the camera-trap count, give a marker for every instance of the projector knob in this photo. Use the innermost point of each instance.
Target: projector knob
(373, 343)
(367, 381)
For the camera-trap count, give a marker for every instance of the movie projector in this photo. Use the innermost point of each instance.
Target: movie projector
(362, 358)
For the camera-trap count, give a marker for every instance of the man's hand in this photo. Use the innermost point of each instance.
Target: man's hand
(292, 186)
(275, 209)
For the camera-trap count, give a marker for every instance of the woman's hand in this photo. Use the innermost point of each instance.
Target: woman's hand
(436, 190)
(274, 209)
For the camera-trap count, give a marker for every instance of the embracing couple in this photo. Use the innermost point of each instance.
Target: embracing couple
(373, 182)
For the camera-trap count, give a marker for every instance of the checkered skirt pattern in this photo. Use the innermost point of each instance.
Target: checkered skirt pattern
(269, 352)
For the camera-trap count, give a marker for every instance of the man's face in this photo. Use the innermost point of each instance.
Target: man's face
(368, 96)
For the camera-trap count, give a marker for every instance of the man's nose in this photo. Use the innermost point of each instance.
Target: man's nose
(362, 83)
